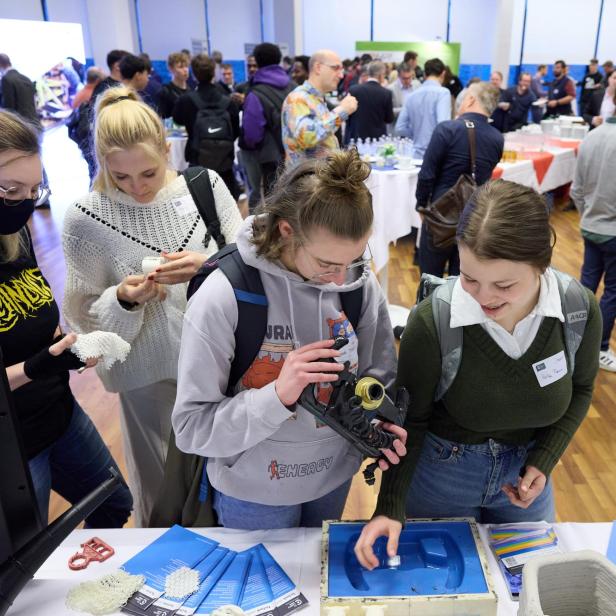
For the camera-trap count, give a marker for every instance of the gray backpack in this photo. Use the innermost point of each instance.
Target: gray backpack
(574, 302)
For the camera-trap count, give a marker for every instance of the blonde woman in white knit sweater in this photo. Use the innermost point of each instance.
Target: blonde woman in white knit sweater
(138, 207)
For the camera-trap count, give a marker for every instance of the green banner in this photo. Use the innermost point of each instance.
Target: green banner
(449, 53)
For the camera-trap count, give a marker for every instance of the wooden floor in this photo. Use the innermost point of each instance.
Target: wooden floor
(584, 480)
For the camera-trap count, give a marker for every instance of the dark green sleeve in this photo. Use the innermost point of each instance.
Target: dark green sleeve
(419, 370)
(552, 441)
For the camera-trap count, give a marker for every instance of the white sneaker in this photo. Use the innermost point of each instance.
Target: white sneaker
(607, 360)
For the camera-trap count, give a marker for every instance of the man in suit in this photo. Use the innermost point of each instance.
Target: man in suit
(17, 91)
(375, 105)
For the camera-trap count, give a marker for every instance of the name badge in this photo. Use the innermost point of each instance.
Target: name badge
(551, 369)
(184, 205)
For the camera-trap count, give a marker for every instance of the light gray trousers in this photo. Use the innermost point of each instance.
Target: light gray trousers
(146, 427)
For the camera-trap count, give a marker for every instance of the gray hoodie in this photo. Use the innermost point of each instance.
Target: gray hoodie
(257, 449)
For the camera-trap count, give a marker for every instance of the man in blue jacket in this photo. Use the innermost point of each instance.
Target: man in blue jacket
(261, 129)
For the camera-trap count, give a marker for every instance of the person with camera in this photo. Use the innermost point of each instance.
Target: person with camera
(270, 463)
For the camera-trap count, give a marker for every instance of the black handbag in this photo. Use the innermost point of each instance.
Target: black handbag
(442, 216)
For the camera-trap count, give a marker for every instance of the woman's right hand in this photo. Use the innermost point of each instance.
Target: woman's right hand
(381, 526)
(302, 367)
(137, 289)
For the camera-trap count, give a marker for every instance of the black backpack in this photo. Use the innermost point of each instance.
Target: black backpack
(212, 135)
(252, 306)
(272, 99)
(79, 125)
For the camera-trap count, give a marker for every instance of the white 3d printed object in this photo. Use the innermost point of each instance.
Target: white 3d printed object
(105, 595)
(107, 346)
(181, 583)
(575, 584)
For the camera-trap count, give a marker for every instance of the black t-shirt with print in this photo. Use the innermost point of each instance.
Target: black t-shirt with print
(28, 320)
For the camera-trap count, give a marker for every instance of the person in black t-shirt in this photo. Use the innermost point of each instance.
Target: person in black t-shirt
(177, 63)
(64, 450)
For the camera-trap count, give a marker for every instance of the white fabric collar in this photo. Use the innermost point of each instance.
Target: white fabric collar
(467, 311)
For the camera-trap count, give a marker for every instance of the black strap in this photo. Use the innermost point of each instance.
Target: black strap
(351, 304)
(198, 181)
(275, 96)
(470, 129)
(251, 313)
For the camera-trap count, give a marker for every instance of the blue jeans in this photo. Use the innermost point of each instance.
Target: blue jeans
(433, 260)
(235, 513)
(600, 262)
(458, 480)
(73, 466)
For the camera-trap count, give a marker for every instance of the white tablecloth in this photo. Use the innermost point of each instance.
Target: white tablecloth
(393, 201)
(560, 172)
(177, 160)
(297, 550)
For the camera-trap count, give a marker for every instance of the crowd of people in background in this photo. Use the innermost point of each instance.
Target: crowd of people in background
(279, 133)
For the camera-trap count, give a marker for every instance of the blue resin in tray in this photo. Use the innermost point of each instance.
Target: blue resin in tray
(437, 558)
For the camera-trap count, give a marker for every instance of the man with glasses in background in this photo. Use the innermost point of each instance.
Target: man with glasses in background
(308, 126)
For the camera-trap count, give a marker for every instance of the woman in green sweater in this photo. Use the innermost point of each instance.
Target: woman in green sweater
(486, 448)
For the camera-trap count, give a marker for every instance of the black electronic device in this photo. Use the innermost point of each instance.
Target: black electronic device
(25, 543)
(352, 409)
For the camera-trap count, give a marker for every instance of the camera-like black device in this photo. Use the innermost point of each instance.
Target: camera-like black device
(354, 409)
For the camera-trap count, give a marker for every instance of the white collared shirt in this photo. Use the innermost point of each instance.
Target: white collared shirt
(467, 311)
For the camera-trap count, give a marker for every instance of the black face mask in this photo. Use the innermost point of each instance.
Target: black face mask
(14, 217)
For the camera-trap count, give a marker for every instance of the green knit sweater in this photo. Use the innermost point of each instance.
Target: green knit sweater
(493, 396)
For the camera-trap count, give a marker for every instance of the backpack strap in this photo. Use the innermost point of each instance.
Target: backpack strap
(450, 339)
(251, 311)
(351, 304)
(575, 304)
(200, 187)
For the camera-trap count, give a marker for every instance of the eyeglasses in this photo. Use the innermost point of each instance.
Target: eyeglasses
(8, 196)
(334, 270)
(335, 67)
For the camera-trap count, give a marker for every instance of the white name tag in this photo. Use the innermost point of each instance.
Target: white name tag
(184, 205)
(551, 369)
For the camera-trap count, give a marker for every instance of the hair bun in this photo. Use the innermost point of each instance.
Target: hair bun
(344, 171)
(115, 95)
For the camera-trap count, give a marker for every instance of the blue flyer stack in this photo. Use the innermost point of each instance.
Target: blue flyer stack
(251, 579)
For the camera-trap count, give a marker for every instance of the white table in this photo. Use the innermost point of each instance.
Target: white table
(393, 202)
(177, 159)
(297, 550)
(559, 173)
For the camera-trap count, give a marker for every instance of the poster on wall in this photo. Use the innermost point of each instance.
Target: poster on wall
(198, 46)
(449, 53)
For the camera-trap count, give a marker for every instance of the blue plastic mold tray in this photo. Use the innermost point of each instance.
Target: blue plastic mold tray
(436, 558)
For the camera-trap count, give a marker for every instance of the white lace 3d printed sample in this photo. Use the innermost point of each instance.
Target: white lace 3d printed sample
(105, 595)
(109, 347)
(181, 583)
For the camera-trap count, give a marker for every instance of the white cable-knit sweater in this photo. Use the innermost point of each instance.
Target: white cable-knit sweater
(105, 239)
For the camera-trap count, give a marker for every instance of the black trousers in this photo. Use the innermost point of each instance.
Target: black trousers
(433, 260)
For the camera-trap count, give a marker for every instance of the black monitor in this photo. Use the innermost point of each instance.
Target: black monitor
(19, 512)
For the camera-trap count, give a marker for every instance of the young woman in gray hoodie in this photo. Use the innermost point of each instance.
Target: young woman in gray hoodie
(270, 462)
